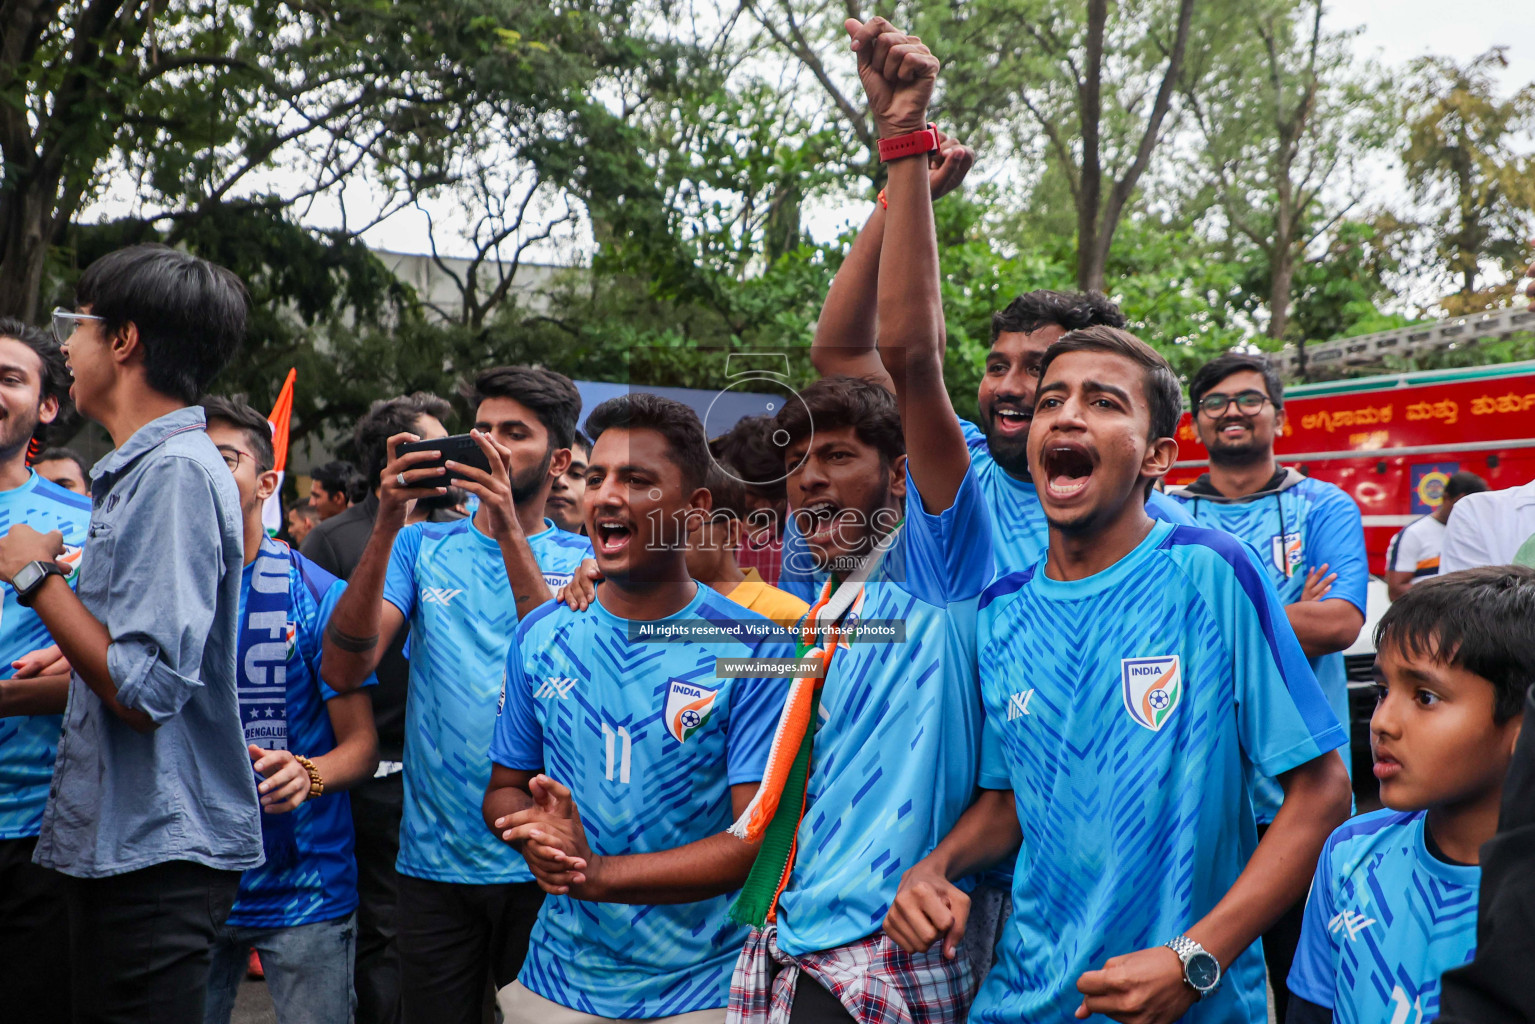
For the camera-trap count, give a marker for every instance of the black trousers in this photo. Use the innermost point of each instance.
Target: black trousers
(34, 937)
(1279, 944)
(459, 944)
(377, 805)
(140, 943)
(815, 1005)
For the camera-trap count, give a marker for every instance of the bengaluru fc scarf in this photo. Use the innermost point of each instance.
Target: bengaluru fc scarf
(774, 814)
(262, 681)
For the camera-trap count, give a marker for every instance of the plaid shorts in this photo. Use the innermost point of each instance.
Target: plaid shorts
(877, 981)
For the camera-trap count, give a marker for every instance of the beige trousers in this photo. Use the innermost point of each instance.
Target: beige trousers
(521, 1005)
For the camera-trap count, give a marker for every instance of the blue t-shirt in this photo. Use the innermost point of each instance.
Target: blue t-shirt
(1385, 919)
(1125, 731)
(649, 740)
(898, 742)
(1293, 532)
(1019, 532)
(322, 885)
(29, 743)
(449, 581)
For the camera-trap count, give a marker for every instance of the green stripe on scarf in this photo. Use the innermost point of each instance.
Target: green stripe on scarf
(761, 888)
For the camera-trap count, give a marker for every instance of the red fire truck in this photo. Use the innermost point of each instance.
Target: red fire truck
(1391, 442)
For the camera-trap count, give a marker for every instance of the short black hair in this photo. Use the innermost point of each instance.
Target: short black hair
(726, 490)
(305, 510)
(190, 314)
(1070, 311)
(551, 396)
(386, 418)
(337, 477)
(748, 449)
(257, 429)
(832, 403)
(1221, 367)
(1481, 620)
(1463, 483)
(53, 382)
(581, 441)
(678, 424)
(1164, 396)
(62, 455)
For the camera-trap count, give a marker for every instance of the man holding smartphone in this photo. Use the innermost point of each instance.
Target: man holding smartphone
(466, 900)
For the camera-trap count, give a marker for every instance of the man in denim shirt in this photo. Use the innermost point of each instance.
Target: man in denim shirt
(152, 813)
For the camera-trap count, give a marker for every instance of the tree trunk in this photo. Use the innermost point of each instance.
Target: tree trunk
(1089, 199)
(26, 231)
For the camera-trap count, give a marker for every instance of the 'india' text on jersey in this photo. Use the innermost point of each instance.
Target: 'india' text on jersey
(649, 739)
(1125, 731)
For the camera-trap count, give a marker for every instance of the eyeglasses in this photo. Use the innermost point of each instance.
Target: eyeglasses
(66, 323)
(231, 457)
(1247, 402)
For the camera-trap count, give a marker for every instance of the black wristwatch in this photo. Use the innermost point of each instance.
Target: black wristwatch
(29, 580)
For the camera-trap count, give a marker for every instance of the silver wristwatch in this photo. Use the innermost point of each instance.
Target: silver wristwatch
(1201, 971)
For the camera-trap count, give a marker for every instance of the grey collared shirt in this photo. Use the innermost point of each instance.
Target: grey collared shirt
(161, 570)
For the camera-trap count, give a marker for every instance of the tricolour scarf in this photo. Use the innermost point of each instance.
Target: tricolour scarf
(263, 679)
(775, 812)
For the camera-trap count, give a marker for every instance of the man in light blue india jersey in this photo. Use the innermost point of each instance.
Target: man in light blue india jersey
(34, 957)
(466, 901)
(1118, 734)
(632, 735)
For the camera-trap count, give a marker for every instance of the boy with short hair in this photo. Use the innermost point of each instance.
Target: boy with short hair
(153, 812)
(1118, 738)
(309, 744)
(626, 744)
(1395, 897)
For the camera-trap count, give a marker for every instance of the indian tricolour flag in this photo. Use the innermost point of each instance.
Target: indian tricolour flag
(271, 513)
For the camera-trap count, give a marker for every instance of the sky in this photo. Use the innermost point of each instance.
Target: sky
(1394, 32)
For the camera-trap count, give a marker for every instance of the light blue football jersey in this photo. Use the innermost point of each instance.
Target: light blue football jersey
(649, 739)
(1385, 920)
(1292, 532)
(897, 748)
(322, 884)
(29, 743)
(1125, 731)
(449, 581)
(1019, 532)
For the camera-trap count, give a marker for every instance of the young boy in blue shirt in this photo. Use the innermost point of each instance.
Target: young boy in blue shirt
(1394, 902)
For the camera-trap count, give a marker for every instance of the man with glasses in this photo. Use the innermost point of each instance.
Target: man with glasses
(152, 811)
(1307, 534)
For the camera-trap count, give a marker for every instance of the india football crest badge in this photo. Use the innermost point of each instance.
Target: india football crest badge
(687, 709)
(1152, 689)
(71, 558)
(1288, 552)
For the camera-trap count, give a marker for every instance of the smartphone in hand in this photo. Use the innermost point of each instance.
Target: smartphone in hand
(460, 448)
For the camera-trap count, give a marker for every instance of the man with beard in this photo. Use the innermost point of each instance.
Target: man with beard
(466, 900)
(897, 524)
(1118, 737)
(1020, 333)
(34, 941)
(1310, 539)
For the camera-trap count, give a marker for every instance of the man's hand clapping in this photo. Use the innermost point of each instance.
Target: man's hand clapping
(553, 841)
